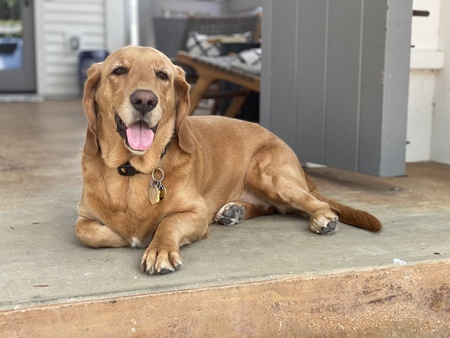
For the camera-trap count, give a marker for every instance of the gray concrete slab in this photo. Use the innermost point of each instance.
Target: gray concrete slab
(43, 262)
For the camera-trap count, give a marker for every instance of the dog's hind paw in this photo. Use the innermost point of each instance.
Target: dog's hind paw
(230, 214)
(330, 227)
(324, 224)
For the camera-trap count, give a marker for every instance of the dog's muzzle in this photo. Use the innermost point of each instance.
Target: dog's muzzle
(138, 136)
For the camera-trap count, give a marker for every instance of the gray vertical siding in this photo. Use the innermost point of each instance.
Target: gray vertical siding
(335, 81)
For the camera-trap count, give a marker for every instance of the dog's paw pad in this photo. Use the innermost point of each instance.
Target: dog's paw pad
(324, 225)
(230, 214)
(165, 271)
(330, 227)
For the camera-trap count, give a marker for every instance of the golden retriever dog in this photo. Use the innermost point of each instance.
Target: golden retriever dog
(154, 177)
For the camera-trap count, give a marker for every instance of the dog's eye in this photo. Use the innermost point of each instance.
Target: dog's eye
(162, 75)
(119, 71)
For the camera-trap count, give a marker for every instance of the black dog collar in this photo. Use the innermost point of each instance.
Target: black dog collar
(128, 170)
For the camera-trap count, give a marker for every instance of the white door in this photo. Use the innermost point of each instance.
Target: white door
(17, 66)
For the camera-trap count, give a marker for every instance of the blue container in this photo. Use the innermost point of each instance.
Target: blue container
(86, 59)
(11, 53)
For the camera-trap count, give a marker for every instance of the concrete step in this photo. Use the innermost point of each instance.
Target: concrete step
(408, 301)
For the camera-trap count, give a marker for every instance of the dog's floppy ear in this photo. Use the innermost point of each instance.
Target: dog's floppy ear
(185, 137)
(90, 88)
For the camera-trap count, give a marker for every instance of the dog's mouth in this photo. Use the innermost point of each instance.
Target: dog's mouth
(138, 136)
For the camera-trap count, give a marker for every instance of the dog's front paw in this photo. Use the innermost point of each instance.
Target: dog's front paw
(160, 261)
(230, 214)
(323, 222)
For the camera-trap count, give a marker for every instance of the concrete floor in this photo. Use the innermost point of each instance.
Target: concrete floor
(43, 263)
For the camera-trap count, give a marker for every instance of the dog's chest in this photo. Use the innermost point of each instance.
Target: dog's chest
(130, 197)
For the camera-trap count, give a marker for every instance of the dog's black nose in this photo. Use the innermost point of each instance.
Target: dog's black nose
(143, 100)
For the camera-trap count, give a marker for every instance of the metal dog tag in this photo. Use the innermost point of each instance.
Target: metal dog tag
(154, 195)
(162, 192)
(157, 191)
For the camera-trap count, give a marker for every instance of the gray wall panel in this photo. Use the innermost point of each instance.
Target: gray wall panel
(395, 94)
(373, 51)
(265, 115)
(312, 34)
(284, 64)
(343, 59)
(335, 80)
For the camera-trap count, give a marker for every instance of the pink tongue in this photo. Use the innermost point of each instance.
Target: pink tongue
(140, 136)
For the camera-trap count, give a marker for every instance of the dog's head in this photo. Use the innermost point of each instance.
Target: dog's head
(136, 101)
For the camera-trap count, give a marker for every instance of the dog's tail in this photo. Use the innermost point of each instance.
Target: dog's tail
(347, 215)
(351, 216)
